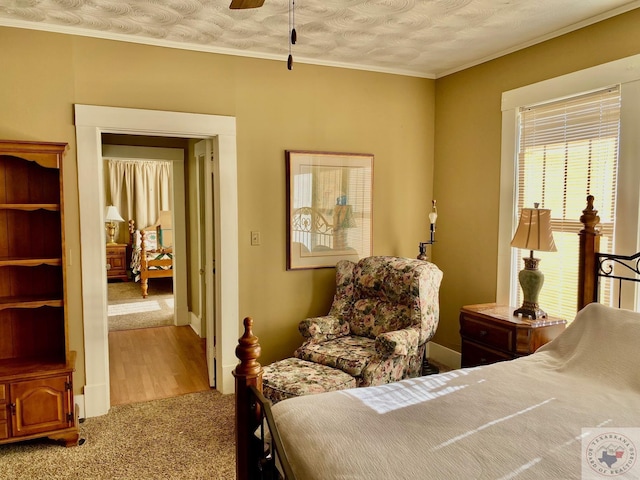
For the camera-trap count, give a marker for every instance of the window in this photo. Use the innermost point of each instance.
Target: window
(566, 186)
(568, 149)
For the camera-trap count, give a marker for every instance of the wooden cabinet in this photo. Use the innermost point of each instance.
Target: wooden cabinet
(490, 333)
(117, 262)
(36, 365)
(41, 405)
(4, 426)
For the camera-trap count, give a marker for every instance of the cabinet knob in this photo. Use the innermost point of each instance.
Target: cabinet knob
(108, 266)
(483, 333)
(12, 407)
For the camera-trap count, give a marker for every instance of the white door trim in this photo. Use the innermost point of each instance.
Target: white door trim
(204, 158)
(91, 121)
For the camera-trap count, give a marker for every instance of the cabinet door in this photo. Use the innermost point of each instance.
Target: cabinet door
(40, 405)
(4, 426)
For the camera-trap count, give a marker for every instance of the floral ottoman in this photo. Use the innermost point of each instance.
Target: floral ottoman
(293, 377)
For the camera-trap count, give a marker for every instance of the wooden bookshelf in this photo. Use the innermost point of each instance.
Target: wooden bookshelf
(36, 365)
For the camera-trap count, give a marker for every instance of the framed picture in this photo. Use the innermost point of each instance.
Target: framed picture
(329, 208)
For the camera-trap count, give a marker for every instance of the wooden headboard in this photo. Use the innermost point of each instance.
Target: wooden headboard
(594, 265)
(589, 245)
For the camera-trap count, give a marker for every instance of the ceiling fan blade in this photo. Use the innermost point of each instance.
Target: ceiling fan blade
(241, 4)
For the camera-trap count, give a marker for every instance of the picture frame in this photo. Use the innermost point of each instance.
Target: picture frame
(329, 208)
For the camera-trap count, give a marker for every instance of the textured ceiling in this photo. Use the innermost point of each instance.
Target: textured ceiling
(426, 38)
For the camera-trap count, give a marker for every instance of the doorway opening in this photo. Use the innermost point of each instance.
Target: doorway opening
(91, 123)
(150, 356)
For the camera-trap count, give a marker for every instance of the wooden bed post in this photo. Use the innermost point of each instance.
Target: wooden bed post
(589, 246)
(247, 373)
(130, 245)
(132, 229)
(144, 268)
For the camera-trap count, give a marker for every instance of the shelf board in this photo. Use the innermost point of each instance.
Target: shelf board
(31, 367)
(30, 302)
(29, 207)
(29, 262)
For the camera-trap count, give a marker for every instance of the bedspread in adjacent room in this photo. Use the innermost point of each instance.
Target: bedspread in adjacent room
(518, 419)
(152, 253)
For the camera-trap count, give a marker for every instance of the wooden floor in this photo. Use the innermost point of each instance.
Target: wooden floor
(152, 363)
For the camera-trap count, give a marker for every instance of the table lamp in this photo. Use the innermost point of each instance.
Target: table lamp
(111, 216)
(533, 233)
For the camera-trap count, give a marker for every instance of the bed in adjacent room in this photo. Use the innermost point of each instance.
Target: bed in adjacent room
(151, 252)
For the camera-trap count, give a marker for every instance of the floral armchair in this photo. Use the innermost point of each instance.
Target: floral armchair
(384, 312)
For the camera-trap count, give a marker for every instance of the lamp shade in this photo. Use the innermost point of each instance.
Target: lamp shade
(534, 231)
(111, 214)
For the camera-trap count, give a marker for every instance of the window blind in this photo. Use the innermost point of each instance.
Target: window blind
(568, 149)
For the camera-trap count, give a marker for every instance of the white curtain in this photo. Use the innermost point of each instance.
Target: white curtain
(139, 189)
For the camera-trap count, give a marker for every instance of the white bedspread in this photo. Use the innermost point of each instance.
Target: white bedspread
(519, 419)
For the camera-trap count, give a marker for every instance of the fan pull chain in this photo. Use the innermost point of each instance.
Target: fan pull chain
(293, 36)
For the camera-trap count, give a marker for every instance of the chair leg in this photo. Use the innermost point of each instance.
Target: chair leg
(427, 368)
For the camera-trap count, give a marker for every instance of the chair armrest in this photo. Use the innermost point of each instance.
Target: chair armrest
(398, 342)
(320, 329)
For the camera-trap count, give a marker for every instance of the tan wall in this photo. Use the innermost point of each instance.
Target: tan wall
(316, 108)
(467, 175)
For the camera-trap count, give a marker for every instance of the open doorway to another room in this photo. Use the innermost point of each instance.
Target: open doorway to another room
(152, 354)
(91, 123)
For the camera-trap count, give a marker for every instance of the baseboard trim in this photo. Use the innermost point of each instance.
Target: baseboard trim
(78, 400)
(227, 385)
(96, 400)
(444, 355)
(196, 322)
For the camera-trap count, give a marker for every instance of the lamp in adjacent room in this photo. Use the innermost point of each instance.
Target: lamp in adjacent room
(343, 220)
(111, 216)
(433, 216)
(533, 233)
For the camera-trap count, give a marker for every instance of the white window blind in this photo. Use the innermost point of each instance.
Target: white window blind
(568, 149)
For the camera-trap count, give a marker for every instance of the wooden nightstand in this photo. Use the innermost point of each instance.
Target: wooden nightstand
(117, 262)
(490, 333)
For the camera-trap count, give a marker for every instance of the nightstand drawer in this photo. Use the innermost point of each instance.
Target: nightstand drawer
(493, 335)
(474, 354)
(117, 261)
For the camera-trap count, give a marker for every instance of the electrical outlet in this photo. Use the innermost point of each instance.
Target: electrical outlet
(255, 238)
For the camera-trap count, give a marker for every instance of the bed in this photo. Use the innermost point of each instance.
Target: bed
(151, 255)
(527, 418)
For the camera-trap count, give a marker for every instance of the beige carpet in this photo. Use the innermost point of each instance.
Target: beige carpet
(186, 437)
(128, 310)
